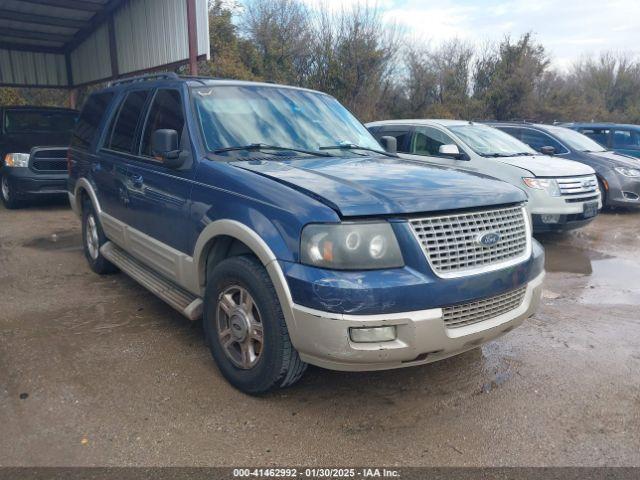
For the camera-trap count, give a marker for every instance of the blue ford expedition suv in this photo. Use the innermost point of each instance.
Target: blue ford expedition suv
(272, 213)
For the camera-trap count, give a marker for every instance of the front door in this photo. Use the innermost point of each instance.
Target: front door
(159, 196)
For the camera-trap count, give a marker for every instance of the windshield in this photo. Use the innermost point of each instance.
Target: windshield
(29, 121)
(238, 115)
(489, 141)
(575, 140)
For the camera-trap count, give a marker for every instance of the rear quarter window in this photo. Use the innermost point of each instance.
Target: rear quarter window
(90, 118)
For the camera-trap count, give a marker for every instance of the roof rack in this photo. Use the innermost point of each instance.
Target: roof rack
(142, 78)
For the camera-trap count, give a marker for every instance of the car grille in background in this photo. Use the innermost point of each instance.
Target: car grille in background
(49, 160)
(451, 242)
(486, 309)
(578, 186)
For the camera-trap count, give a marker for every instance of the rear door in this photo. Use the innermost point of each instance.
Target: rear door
(159, 196)
(118, 143)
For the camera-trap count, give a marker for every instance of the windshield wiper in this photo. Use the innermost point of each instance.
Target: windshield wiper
(353, 146)
(257, 147)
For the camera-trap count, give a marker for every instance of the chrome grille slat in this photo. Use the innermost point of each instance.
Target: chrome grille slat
(577, 185)
(474, 312)
(449, 241)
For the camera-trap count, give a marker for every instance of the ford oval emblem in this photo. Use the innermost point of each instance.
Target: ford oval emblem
(488, 239)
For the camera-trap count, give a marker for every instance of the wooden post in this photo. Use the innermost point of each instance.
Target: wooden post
(192, 29)
(73, 98)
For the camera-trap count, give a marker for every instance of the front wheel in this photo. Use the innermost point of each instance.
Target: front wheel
(8, 194)
(245, 328)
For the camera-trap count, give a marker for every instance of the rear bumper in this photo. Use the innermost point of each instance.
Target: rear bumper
(26, 183)
(422, 336)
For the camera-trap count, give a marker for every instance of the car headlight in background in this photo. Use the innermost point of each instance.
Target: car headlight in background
(16, 160)
(547, 184)
(628, 172)
(351, 246)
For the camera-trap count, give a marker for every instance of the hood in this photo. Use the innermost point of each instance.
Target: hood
(613, 159)
(382, 185)
(545, 166)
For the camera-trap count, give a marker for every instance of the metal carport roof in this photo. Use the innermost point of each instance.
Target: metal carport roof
(71, 43)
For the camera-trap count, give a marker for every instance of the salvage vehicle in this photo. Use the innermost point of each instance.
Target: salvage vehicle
(272, 213)
(33, 152)
(618, 175)
(619, 137)
(563, 195)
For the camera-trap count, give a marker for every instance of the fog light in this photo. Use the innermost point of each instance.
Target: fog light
(550, 218)
(372, 334)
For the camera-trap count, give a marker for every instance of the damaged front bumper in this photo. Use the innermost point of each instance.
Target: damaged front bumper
(421, 336)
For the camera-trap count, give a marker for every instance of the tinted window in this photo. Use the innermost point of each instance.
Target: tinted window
(16, 121)
(90, 118)
(124, 130)
(513, 131)
(401, 134)
(626, 139)
(427, 141)
(165, 112)
(598, 134)
(536, 140)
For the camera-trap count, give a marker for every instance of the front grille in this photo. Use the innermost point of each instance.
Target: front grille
(49, 160)
(577, 185)
(583, 199)
(451, 242)
(481, 310)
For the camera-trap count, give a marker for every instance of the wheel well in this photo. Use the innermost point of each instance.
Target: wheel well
(221, 248)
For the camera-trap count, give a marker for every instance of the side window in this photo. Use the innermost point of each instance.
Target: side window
(427, 141)
(626, 139)
(165, 113)
(89, 120)
(126, 121)
(537, 140)
(513, 131)
(597, 134)
(401, 134)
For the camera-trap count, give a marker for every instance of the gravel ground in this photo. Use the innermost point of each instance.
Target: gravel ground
(97, 371)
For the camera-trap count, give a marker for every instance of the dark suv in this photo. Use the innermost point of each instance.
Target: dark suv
(33, 149)
(271, 212)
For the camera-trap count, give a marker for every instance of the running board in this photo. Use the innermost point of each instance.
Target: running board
(185, 302)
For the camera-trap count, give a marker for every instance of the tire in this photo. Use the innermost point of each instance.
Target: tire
(92, 239)
(603, 193)
(270, 363)
(8, 194)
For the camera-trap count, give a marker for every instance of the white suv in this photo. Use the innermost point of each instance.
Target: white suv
(562, 194)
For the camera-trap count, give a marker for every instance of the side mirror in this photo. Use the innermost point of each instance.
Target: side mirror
(450, 150)
(548, 151)
(390, 144)
(164, 147)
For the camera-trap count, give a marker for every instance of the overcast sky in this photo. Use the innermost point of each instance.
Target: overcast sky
(569, 29)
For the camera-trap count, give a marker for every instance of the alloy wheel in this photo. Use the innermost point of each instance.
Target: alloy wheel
(239, 327)
(93, 242)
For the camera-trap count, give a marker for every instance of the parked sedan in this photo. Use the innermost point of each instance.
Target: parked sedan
(562, 194)
(618, 175)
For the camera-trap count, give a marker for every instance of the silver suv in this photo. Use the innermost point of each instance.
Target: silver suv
(563, 194)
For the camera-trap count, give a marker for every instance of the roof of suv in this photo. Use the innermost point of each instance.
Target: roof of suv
(602, 125)
(441, 122)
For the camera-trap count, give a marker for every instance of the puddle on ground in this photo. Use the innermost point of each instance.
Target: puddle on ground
(610, 280)
(64, 241)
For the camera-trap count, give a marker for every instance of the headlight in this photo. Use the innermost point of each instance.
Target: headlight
(16, 160)
(628, 172)
(548, 184)
(351, 246)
